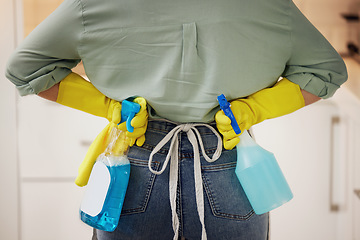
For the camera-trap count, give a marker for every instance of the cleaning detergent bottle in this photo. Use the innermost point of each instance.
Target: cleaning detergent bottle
(257, 170)
(105, 193)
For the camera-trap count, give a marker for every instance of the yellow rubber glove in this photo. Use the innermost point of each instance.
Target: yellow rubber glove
(283, 98)
(77, 93)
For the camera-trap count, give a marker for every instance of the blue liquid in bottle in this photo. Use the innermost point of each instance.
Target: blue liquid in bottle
(260, 176)
(109, 216)
(106, 189)
(257, 170)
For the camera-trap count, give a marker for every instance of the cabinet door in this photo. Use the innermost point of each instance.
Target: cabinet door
(306, 145)
(350, 105)
(50, 210)
(356, 190)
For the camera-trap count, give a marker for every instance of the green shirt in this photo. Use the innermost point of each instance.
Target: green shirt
(178, 55)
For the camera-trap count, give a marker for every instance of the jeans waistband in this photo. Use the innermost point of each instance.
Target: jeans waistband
(165, 126)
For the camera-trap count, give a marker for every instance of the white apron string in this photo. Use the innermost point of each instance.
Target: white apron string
(173, 175)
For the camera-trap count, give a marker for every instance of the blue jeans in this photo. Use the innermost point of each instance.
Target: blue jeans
(146, 212)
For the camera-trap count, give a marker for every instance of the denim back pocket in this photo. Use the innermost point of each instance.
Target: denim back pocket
(140, 186)
(226, 197)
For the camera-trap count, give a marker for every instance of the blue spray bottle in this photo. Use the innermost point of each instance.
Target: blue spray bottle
(257, 170)
(106, 189)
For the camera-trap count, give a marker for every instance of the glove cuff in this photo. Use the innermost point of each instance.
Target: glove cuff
(283, 98)
(77, 93)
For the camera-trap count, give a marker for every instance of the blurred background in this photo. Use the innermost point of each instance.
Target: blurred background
(318, 147)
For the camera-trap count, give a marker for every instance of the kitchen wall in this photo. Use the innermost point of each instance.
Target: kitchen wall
(9, 221)
(325, 15)
(36, 11)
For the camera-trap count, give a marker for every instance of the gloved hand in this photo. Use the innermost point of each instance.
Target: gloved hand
(139, 122)
(76, 92)
(281, 99)
(98, 146)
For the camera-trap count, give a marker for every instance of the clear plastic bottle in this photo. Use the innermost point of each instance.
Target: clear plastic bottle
(260, 176)
(106, 189)
(257, 170)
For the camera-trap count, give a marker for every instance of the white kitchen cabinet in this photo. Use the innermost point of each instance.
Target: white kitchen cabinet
(316, 150)
(356, 196)
(52, 142)
(350, 105)
(50, 210)
(352, 108)
(42, 146)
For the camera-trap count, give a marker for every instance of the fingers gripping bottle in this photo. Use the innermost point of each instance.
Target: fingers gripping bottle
(257, 170)
(105, 193)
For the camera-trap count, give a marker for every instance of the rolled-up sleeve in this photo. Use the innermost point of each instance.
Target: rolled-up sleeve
(314, 64)
(48, 53)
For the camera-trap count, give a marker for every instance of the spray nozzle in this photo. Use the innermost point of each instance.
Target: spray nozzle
(128, 111)
(225, 107)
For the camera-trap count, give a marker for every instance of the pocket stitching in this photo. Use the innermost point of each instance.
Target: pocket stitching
(150, 184)
(216, 212)
(218, 167)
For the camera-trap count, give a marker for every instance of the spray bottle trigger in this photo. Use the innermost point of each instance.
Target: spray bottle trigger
(128, 111)
(225, 106)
